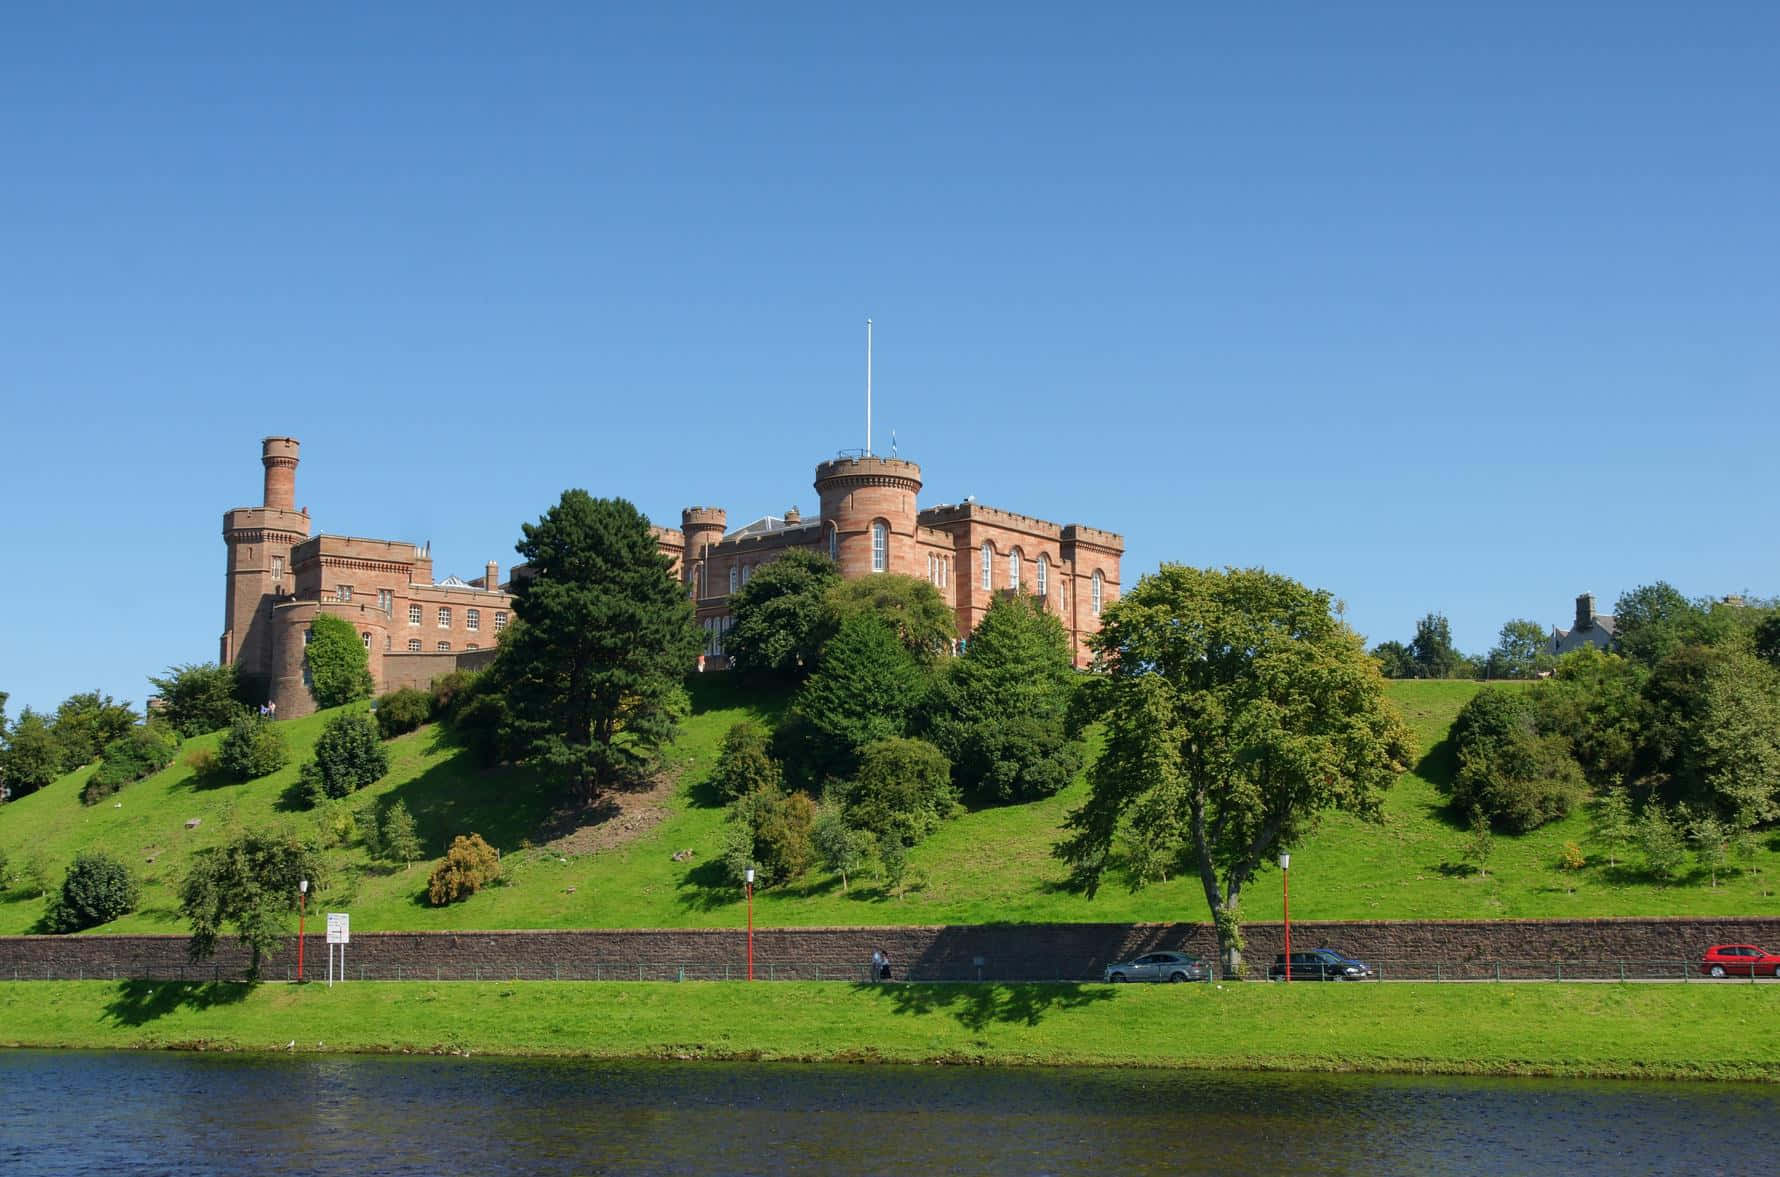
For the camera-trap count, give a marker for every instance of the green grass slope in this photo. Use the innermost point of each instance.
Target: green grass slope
(992, 865)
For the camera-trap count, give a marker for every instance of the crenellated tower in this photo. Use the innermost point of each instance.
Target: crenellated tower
(259, 541)
(703, 527)
(867, 502)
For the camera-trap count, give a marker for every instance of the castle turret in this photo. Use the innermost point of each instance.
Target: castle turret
(703, 527)
(259, 569)
(279, 456)
(868, 514)
(1585, 611)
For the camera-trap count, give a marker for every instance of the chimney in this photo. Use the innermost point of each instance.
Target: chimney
(1585, 611)
(792, 515)
(491, 577)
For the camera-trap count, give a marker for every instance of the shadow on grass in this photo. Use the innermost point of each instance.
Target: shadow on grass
(139, 1002)
(978, 1006)
(707, 887)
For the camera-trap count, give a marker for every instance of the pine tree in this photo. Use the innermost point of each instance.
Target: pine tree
(1612, 827)
(400, 841)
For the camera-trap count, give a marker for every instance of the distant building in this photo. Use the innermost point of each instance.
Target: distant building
(279, 577)
(1591, 629)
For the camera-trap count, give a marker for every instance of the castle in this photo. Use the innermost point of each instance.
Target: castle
(280, 577)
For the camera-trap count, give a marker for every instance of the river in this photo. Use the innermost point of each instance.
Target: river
(149, 1113)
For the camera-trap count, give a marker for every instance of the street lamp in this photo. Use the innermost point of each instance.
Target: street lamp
(1285, 879)
(748, 884)
(302, 908)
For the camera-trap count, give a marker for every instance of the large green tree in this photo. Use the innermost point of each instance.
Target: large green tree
(85, 723)
(778, 615)
(31, 758)
(339, 666)
(1654, 620)
(1592, 700)
(199, 697)
(1521, 651)
(250, 882)
(912, 608)
(866, 689)
(1432, 650)
(1000, 710)
(593, 669)
(1509, 775)
(1710, 735)
(1237, 710)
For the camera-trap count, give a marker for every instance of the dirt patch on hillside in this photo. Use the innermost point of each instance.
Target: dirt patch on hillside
(616, 819)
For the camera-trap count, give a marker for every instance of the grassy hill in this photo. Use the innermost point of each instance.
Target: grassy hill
(992, 865)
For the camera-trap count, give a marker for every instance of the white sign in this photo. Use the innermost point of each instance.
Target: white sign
(339, 928)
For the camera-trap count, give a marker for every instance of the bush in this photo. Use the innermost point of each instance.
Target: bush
(252, 749)
(199, 698)
(348, 756)
(1664, 851)
(902, 792)
(202, 761)
(338, 664)
(97, 890)
(479, 717)
(397, 839)
(1507, 773)
(841, 848)
(769, 830)
(400, 712)
(144, 751)
(450, 691)
(744, 765)
(469, 865)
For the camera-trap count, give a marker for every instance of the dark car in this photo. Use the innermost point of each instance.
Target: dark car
(1159, 966)
(1321, 964)
(1739, 960)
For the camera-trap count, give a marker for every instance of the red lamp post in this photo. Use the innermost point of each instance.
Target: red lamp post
(748, 886)
(1285, 879)
(302, 909)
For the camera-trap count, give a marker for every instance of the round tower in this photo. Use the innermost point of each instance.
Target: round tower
(703, 527)
(858, 494)
(279, 456)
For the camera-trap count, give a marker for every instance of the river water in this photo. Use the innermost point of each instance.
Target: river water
(147, 1113)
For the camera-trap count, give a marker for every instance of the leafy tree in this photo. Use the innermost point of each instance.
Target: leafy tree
(745, 763)
(31, 758)
(397, 839)
(1520, 651)
(470, 865)
(779, 614)
(37, 873)
(913, 609)
(1432, 650)
(865, 690)
(1765, 641)
(97, 890)
(1711, 842)
(252, 749)
(199, 697)
(3, 697)
(1711, 733)
(348, 756)
(85, 723)
(1394, 660)
(141, 752)
(402, 711)
(1655, 620)
(893, 864)
(842, 849)
(1664, 851)
(1613, 826)
(1237, 710)
(593, 667)
(1508, 774)
(249, 882)
(1479, 844)
(999, 713)
(339, 666)
(1592, 699)
(770, 831)
(903, 791)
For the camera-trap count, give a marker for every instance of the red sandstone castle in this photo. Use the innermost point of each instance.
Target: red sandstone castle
(415, 629)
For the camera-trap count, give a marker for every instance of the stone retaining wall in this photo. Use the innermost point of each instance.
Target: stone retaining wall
(1639, 947)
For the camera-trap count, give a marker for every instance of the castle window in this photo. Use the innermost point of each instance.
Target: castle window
(472, 646)
(732, 578)
(414, 645)
(444, 647)
(444, 617)
(500, 620)
(988, 565)
(277, 567)
(1013, 570)
(1095, 587)
(834, 543)
(386, 600)
(308, 636)
(367, 638)
(880, 547)
(342, 592)
(414, 615)
(472, 619)
(1043, 568)
(747, 573)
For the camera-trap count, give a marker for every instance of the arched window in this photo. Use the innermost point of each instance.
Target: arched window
(747, 573)
(1043, 568)
(988, 565)
(834, 543)
(732, 576)
(880, 546)
(1095, 588)
(1013, 570)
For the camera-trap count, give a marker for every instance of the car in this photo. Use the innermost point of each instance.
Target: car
(1739, 960)
(1159, 966)
(1321, 964)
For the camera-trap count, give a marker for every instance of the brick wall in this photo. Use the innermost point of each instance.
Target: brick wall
(1477, 948)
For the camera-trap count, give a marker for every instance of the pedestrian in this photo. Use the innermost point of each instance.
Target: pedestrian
(878, 963)
(884, 972)
(272, 709)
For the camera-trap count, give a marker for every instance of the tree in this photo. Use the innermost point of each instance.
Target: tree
(1479, 843)
(1613, 826)
(1520, 651)
(1237, 709)
(1765, 641)
(31, 758)
(199, 697)
(1654, 620)
(402, 711)
(769, 830)
(470, 865)
(251, 883)
(1710, 734)
(842, 849)
(745, 764)
(348, 756)
(85, 723)
(778, 616)
(865, 690)
(999, 713)
(903, 791)
(140, 752)
(1711, 841)
(97, 890)
(251, 749)
(593, 667)
(1394, 660)
(913, 609)
(339, 666)
(1432, 651)
(1592, 700)
(1508, 774)
(1664, 851)
(397, 839)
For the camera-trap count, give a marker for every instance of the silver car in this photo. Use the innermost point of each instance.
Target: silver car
(1159, 966)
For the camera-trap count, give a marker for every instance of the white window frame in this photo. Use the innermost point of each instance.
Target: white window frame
(442, 648)
(880, 546)
(500, 620)
(414, 645)
(1013, 570)
(473, 620)
(834, 543)
(734, 581)
(414, 614)
(1094, 587)
(386, 600)
(366, 635)
(444, 616)
(1043, 582)
(988, 565)
(342, 592)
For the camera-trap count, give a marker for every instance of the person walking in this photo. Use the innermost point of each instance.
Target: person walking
(878, 961)
(884, 968)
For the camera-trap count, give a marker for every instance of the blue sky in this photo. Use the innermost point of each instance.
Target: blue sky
(1466, 312)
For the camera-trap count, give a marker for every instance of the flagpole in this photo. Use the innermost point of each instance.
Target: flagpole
(868, 387)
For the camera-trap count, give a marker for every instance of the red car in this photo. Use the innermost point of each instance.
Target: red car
(1739, 960)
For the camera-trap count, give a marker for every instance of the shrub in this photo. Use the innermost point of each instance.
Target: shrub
(469, 865)
(97, 890)
(744, 765)
(902, 792)
(1507, 773)
(144, 751)
(1664, 851)
(1573, 858)
(348, 756)
(4, 863)
(400, 712)
(252, 749)
(397, 840)
(842, 849)
(769, 830)
(199, 698)
(450, 691)
(202, 761)
(338, 664)
(481, 720)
